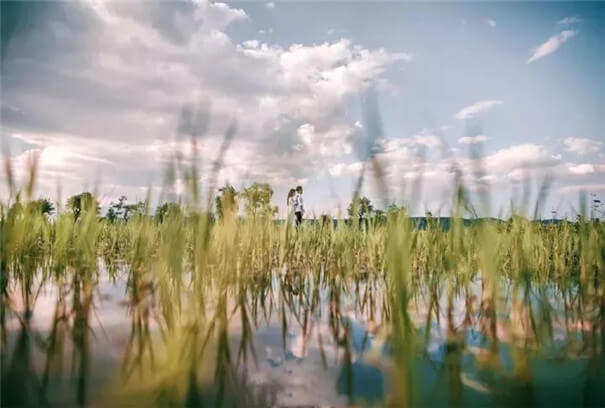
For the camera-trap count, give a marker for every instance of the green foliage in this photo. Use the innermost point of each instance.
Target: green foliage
(191, 279)
(44, 206)
(83, 203)
(258, 200)
(122, 211)
(226, 202)
(167, 211)
(360, 207)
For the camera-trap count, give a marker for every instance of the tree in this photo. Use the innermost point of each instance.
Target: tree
(325, 221)
(167, 210)
(226, 202)
(138, 208)
(117, 210)
(82, 203)
(122, 207)
(393, 208)
(123, 210)
(380, 217)
(43, 206)
(360, 207)
(111, 215)
(258, 200)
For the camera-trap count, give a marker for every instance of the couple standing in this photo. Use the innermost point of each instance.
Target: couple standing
(295, 205)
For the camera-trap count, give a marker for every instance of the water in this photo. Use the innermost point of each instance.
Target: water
(296, 339)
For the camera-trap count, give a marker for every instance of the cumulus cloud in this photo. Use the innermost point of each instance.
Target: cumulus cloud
(582, 146)
(476, 108)
(520, 157)
(402, 163)
(551, 45)
(335, 141)
(425, 138)
(472, 139)
(585, 168)
(341, 169)
(108, 82)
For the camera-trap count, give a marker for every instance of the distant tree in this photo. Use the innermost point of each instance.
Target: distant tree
(111, 215)
(138, 208)
(258, 200)
(121, 210)
(379, 216)
(360, 207)
(597, 206)
(117, 209)
(325, 221)
(121, 207)
(81, 203)
(167, 210)
(226, 201)
(43, 206)
(394, 210)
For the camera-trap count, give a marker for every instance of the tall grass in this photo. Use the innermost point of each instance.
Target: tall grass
(191, 278)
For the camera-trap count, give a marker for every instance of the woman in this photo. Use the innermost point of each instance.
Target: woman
(290, 201)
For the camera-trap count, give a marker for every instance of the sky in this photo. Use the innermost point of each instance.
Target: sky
(501, 97)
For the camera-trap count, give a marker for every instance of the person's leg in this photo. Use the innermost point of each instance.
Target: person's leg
(298, 218)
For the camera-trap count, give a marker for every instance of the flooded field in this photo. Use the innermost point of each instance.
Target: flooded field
(301, 319)
(302, 204)
(181, 308)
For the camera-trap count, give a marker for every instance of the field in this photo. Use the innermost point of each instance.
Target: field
(189, 309)
(157, 158)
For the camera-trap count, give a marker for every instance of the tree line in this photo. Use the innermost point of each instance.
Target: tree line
(255, 200)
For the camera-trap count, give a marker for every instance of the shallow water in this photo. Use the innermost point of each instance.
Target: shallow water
(296, 339)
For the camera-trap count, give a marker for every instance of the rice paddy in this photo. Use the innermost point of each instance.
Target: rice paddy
(189, 309)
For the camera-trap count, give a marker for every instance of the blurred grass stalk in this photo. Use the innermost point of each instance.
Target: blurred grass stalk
(195, 276)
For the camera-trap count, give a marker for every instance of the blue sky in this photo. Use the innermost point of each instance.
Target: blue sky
(97, 88)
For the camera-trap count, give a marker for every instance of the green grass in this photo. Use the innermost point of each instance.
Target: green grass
(202, 275)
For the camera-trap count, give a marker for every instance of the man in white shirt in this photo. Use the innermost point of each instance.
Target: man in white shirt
(299, 209)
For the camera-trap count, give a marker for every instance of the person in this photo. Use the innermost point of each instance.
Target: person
(299, 209)
(290, 205)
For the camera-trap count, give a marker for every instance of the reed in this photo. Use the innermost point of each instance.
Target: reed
(192, 277)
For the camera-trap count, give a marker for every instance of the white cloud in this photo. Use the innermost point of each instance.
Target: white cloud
(140, 63)
(479, 107)
(585, 168)
(280, 96)
(250, 44)
(335, 141)
(582, 146)
(491, 22)
(569, 21)
(520, 157)
(472, 139)
(270, 5)
(345, 169)
(551, 45)
(427, 140)
(407, 145)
